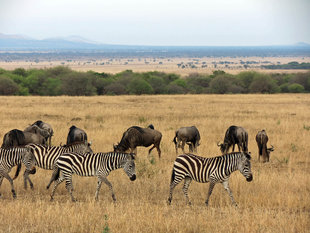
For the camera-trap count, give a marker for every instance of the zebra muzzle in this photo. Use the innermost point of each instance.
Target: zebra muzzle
(250, 178)
(133, 177)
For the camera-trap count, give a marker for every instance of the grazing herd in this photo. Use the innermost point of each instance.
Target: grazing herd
(32, 147)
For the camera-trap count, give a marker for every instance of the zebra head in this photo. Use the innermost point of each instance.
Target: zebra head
(244, 166)
(129, 166)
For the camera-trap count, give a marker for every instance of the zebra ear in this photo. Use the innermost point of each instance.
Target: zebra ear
(248, 155)
(133, 156)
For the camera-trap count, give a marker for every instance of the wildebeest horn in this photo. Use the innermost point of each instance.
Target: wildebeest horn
(218, 144)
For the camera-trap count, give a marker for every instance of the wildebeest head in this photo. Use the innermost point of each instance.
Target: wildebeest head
(244, 165)
(223, 146)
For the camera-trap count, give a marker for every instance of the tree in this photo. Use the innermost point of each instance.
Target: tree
(262, 83)
(7, 86)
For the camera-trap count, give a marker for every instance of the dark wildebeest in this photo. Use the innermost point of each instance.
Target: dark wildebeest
(48, 127)
(76, 135)
(137, 136)
(263, 151)
(16, 137)
(13, 138)
(235, 135)
(188, 135)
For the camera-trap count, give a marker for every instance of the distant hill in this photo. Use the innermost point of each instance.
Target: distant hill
(76, 44)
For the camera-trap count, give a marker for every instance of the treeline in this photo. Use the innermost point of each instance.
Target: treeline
(62, 80)
(291, 66)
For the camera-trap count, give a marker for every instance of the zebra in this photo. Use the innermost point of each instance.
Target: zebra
(214, 170)
(45, 156)
(10, 158)
(97, 164)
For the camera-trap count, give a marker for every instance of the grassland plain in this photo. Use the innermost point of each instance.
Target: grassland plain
(277, 200)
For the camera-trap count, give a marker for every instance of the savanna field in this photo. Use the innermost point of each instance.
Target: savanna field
(277, 200)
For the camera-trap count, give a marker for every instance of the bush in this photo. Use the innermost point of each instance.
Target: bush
(115, 89)
(139, 86)
(296, 88)
(77, 84)
(8, 86)
(262, 83)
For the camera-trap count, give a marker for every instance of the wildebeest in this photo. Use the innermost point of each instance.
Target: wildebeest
(263, 151)
(16, 137)
(235, 135)
(188, 135)
(13, 138)
(137, 136)
(76, 135)
(48, 127)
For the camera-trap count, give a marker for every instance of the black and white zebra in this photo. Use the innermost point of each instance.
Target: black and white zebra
(214, 170)
(10, 158)
(97, 164)
(45, 156)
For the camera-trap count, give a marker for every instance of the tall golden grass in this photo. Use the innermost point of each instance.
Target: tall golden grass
(277, 200)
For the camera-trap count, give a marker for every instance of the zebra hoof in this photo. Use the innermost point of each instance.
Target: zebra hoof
(14, 194)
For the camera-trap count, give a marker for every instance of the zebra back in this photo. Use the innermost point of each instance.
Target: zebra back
(45, 156)
(91, 164)
(203, 169)
(11, 157)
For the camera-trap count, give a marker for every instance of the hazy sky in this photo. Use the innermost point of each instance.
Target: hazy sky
(161, 22)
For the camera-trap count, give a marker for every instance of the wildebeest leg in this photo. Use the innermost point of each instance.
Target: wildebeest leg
(187, 182)
(158, 150)
(182, 146)
(1, 179)
(105, 180)
(133, 150)
(6, 175)
(226, 187)
(210, 192)
(239, 147)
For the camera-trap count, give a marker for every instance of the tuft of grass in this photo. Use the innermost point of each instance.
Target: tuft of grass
(142, 119)
(293, 147)
(307, 127)
(106, 228)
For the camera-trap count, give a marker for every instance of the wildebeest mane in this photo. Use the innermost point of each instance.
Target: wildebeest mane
(38, 123)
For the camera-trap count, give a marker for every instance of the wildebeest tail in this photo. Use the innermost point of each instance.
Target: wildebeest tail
(17, 171)
(175, 137)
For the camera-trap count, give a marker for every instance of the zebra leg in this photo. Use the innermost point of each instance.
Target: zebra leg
(210, 192)
(187, 182)
(226, 187)
(98, 188)
(6, 175)
(26, 178)
(69, 186)
(57, 182)
(174, 182)
(105, 180)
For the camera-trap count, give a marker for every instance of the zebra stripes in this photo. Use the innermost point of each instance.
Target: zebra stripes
(10, 158)
(214, 170)
(45, 156)
(97, 164)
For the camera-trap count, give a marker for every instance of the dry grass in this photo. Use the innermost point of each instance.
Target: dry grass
(168, 65)
(277, 200)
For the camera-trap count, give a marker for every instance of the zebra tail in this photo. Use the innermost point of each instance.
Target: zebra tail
(54, 177)
(172, 176)
(17, 171)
